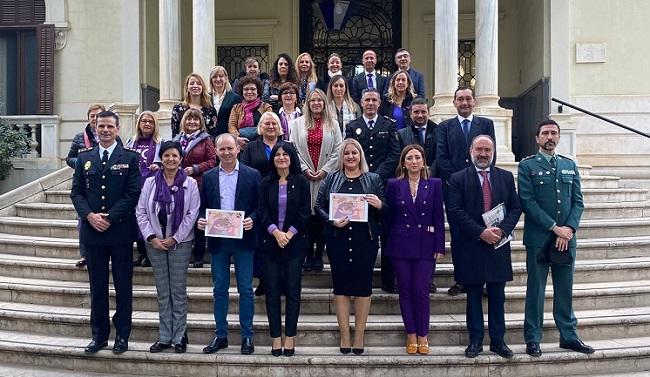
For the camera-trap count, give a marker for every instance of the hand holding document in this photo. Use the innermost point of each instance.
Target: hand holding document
(493, 218)
(224, 224)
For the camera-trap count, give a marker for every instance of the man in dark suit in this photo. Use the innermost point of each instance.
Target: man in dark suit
(549, 188)
(369, 78)
(403, 61)
(454, 137)
(472, 192)
(421, 131)
(105, 191)
(380, 142)
(234, 187)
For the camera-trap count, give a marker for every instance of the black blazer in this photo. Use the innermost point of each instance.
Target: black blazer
(360, 82)
(386, 109)
(409, 135)
(246, 197)
(254, 155)
(231, 99)
(297, 214)
(452, 153)
(475, 261)
(381, 145)
(324, 82)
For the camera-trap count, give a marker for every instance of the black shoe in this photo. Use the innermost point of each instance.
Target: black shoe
(317, 266)
(259, 291)
(247, 347)
(159, 347)
(216, 344)
(197, 265)
(81, 262)
(138, 261)
(94, 346)
(276, 352)
(357, 351)
(456, 289)
(433, 288)
(578, 346)
(145, 262)
(345, 350)
(289, 352)
(389, 288)
(180, 347)
(306, 267)
(533, 349)
(502, 350)
(121, 345)
(473, 350)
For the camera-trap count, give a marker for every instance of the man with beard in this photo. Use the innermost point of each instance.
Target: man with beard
(549, 191)
(479, 260)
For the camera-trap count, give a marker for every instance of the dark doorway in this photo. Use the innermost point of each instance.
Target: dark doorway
(371, 24)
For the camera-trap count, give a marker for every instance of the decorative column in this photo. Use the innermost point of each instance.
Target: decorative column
(203, 42)
(446, 58)
(487, 77)
(127, 113)
(169, 30)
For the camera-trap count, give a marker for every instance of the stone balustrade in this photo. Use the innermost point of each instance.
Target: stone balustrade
(43, 133)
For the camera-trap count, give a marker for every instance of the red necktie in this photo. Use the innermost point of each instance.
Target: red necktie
(487, 192)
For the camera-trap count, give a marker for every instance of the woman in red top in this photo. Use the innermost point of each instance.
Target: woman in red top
(317, 138)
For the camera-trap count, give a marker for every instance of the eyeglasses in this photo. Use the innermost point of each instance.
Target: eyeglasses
(249, 89)
(288, 93)
(146, 121)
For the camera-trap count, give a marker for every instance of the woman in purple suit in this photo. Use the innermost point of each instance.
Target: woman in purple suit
(416, 238)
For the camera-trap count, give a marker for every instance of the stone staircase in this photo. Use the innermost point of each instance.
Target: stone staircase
(44, 306)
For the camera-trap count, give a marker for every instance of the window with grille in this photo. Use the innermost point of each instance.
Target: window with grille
(232, 58)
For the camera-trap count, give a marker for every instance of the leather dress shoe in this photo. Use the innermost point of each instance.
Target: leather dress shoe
(456, 289)
(197, 265)
(138, 261)
(533, 349)
(145, 262)
(94, 346)
(389, 288)
(159, 347)
(502, 350)
(259, 291)
(247, 347)
(578, 346)
(81, 262)
(216, 344)
(473, 350)
(182, 346)
(121, 345)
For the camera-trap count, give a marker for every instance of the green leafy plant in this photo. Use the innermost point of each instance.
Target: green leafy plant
(13, 143)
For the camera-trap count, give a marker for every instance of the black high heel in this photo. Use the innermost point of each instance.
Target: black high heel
(357, 351)
(345, 350)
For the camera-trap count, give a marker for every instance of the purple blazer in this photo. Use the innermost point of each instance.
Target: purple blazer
(416, 230)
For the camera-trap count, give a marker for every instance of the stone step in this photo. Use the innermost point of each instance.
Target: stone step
(58, 196)
(322, 329)
(586, 271)
(617, 195)
(617, 357)
(608, 295)
(595, 228)
(68, 248)
(46, 211)
(599, 181)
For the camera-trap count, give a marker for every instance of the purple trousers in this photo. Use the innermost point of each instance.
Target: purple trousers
(414, 281)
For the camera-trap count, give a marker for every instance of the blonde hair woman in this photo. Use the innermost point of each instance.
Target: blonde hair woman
(223, 98)
(306, 74)
(317, 138)
(195, 96)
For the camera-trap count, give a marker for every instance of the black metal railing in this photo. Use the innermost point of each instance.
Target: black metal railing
(562, 103)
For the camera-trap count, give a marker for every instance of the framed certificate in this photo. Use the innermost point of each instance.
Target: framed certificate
(224, 224)
(352, 206)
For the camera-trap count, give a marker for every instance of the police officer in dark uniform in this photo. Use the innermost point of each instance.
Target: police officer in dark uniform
(551, 198)
(105, 191)
(381, 145)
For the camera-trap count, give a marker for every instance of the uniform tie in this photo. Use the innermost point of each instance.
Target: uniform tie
(371, 124)
(552, 162)
(466, 129)
(105, 157)
(487, 192)
(370, 84)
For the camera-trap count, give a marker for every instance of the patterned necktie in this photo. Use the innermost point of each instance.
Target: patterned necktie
(487, 192)
(370, 84)
(466, 130)
(105, 157)
(371, 124)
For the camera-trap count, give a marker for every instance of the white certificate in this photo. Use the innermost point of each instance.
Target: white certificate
(352, 206)
(493, 218)
(224, 224)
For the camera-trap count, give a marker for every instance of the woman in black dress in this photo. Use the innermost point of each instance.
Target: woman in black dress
(352, 246)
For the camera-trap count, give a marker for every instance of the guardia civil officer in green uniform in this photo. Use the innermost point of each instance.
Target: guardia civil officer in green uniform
(105, 191)
(550, 196)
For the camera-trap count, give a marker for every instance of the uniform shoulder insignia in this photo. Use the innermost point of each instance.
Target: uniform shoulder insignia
(85, 150)
(528, 157)
(390, 119)
(565, 157)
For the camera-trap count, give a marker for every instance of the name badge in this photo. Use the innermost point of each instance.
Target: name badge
(430, 229)
(572, 172)
(119, 166)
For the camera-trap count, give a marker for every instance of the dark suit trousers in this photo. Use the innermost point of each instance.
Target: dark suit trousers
(198, 250)
(387, 269)
(496, 314)
(122, 267)
(282, 275)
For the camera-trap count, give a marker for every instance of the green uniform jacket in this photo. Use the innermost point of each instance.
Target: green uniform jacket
(549, 197)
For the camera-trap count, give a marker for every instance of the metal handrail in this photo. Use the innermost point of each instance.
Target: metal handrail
(598, 116)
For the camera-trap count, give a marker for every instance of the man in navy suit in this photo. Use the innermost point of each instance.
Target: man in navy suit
(454, 137)
(403, 61)
(234, 187)
(473, 191)
(369, 78)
